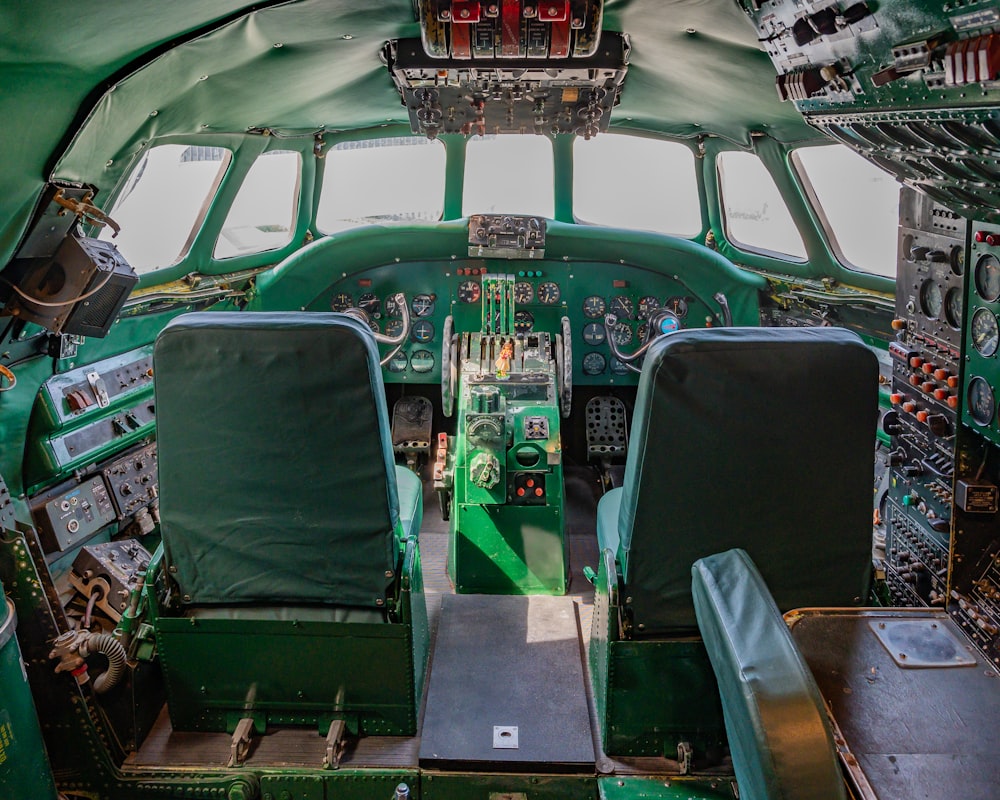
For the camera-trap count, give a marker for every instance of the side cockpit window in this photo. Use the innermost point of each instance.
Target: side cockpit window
(638, 183)
(262, 217)
(178, 178)
(857, 203)
(377, 181)
(756, 216)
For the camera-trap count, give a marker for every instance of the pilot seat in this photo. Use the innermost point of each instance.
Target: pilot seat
(752, 438)
(287, 590)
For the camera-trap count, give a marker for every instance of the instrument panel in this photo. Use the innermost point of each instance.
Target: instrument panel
(583, 292)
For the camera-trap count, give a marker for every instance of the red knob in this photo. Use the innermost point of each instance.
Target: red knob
(953, 402)
(921, 416)
(909, 406)
(940, 374)
(928, 367)
(916, 361)
(927, 386)
(895, 398)
(940, 394)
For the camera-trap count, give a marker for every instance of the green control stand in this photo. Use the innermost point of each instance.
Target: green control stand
(504, 467)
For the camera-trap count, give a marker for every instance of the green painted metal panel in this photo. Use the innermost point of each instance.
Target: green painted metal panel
(24, 766)
(295, 673)
(464, 786)
(649, 695)
(666, 788)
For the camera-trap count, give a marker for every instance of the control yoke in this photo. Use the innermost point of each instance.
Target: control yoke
(397, 341)
(660, 322)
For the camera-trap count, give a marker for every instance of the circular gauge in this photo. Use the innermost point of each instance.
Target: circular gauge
(523, 321)
(621, 307)
(422, 361)
(647, 305)
(594, 364)
(985, 335)
(931, 299)
(524, 293)
(643, 333)
(370, 303)
(394, 327)
(548, 293)
(618, 367)
(392, 308)
(594, 307)
(593, 333)
(982, 403)
(341, 301)
(953, 307)
(422, 305)
(956, 258)
(622, 333)
(422, 331)
(678, 305)
(469, 291)
(988, 277)
(398, 363)
(373, 324)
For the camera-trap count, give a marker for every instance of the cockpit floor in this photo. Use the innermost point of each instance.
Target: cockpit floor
(305, 747)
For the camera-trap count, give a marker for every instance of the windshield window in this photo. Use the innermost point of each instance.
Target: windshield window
(262, 216)
(756, 216)
(398, 179)
(857, 202)
(174, 178)
(508, 175)
(632, 182)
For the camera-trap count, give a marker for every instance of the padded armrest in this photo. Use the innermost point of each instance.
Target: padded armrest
(411, 501)
(779, 735)
(608, 507)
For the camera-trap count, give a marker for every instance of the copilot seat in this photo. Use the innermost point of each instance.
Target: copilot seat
(757, 438)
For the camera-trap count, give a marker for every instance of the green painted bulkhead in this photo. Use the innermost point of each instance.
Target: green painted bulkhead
(266, 458)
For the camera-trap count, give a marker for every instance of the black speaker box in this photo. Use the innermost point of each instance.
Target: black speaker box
(79, 290)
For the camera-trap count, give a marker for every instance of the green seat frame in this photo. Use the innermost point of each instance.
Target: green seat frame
(779, 734)
(759, 438)
(288, 586)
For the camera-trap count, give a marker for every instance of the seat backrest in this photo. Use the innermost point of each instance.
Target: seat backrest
(760, 438)
(276, 475)
(779, 735)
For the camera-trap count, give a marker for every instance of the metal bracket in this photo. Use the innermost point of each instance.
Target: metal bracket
(239, 747)
(685, 754)
(100, 389)
(334, 744)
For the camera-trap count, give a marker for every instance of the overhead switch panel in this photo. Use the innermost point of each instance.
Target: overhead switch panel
(493, 95)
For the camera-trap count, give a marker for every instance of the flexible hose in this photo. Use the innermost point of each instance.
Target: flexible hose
(109, 647)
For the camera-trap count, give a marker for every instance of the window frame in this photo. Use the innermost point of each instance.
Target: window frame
(787, 258)
(819, 211)
(296, 207)
(385, 134)
(202, 215)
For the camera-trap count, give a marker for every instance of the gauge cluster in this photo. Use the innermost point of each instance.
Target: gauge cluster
(982, 383)
(543, 295)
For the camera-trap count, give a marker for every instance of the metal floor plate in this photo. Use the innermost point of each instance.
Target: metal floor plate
(507, 664)
(927, 732)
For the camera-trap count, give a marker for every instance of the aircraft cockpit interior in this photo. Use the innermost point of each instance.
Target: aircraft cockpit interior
(516, 400)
